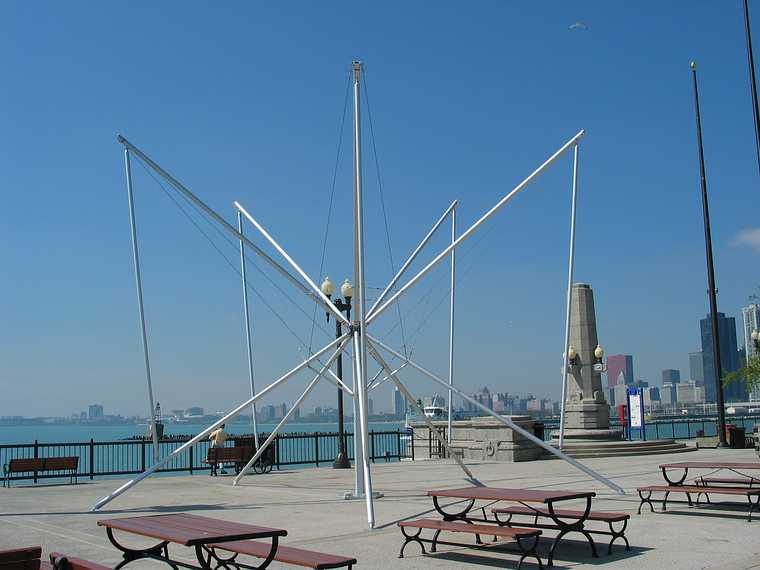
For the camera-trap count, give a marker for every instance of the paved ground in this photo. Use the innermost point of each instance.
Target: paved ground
(305, 503)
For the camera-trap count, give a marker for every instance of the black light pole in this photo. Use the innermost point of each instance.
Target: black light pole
(341, 459)
(710, 272)
(753, 83)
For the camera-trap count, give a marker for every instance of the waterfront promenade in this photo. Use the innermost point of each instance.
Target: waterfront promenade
(305, 502)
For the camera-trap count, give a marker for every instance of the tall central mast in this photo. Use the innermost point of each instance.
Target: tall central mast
(358, 326)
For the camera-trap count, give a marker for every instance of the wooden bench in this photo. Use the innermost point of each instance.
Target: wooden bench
(26, 558)
(698, 490)
(235, 456)
(60, 561)
(41, 465)
(517, 534)
(542, 512)
(286, 554)
(748, 480)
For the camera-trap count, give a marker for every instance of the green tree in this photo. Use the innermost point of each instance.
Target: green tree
(750, 374)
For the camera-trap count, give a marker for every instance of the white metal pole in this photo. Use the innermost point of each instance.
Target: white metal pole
(570, 267)
(374, 314)
(296, 405)
(141, 309)
(451, 320)
(503, 419)
(248, 340)
(388, 377)
(413, 256)
(221, 221)
(420, 411)
(224, 419)
(360, 335)
(358, 450)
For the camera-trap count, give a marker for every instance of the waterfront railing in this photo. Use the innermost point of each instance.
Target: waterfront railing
(133, 456)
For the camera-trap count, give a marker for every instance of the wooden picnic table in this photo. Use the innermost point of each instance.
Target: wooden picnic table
(524, 497)
(191, 531)
(706, 465)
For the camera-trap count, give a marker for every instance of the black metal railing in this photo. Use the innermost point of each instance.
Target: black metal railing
(128, 457)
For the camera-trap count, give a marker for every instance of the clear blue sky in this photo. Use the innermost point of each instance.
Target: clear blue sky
(243, 101)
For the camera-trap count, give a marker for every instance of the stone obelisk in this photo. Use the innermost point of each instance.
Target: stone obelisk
(587, 414)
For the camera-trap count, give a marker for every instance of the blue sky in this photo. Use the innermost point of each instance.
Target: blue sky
(243, 101)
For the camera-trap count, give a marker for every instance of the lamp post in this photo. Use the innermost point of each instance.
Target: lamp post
(710, 271)
(343, 305)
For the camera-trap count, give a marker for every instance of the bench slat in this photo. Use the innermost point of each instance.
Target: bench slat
(694, 489)
(23, 465)
(730, 481)
(502, 531)
(72, 563)
(287, 554)
(563, 513)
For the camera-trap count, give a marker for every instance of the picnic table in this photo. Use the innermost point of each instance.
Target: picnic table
(713, 466)
(527, 498)
(192, 531)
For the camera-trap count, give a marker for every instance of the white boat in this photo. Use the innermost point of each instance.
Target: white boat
(434, 412)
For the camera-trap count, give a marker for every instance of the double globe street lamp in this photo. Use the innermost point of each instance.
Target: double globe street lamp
(343, 305)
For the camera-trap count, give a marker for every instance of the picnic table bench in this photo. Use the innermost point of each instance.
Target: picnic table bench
(540, 512)
(41, 465)
(548, 498)
(518, 535)
(60, 561)
(698, 490)
(286, 555)
(30, 558)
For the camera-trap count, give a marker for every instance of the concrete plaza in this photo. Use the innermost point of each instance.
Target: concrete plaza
(305, 503)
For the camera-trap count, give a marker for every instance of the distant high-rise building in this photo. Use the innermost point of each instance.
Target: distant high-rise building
(399, 404)
(619, 370)
(729, 356)
(95, 411)
(751, 317)
(696, 368)
(671, 376)
(668, 394)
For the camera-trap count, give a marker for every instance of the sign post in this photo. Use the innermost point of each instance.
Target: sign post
(636, 412)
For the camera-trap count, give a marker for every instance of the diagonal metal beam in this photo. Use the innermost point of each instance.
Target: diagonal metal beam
(413, 256)
(221, 221)
(292, 410)
(388, 377)
(409, 398)
(204, 434)
(374, 314)
(314, 289)
(503, 419)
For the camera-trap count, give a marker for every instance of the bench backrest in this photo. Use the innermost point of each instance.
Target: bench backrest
(21, 465)
(27, 558)
(226, 453)
(63, 562)
(58, 463)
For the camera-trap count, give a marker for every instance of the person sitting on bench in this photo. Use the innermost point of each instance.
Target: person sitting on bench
(218, 437)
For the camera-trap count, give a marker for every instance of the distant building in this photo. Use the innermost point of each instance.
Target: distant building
(689, 393)
(729, 356)
(696, 368)
(671, 376)
(619, 370)
(483, 397)
(399, 404)
(280, 411)
(370, 406)
(194, 411)
(95, 411)
(751, 318)
(669, 394)
(651, 397)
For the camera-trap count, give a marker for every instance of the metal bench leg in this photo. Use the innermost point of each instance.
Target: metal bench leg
(554, 546)
(618, 534)
(433, 547)
(665, 501)
(529, 552)
(752, 506)
(411, 538)
(647, 500)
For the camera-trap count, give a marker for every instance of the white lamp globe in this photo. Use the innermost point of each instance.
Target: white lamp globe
(327, 287)
(347, 290)
(598, 352)
(571, 354)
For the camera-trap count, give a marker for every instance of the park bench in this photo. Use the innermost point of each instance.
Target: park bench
(698, 490)
(517, 534)
(27, 558)
(60, 561)
(286, 554)
(235, 456)
(41, 465)
(542, 512)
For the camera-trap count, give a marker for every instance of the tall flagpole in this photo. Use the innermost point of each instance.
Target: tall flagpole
(141, 308)
(570, 267)
(247, 322)
(451, 319)
(752, 82)
(710, 272)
